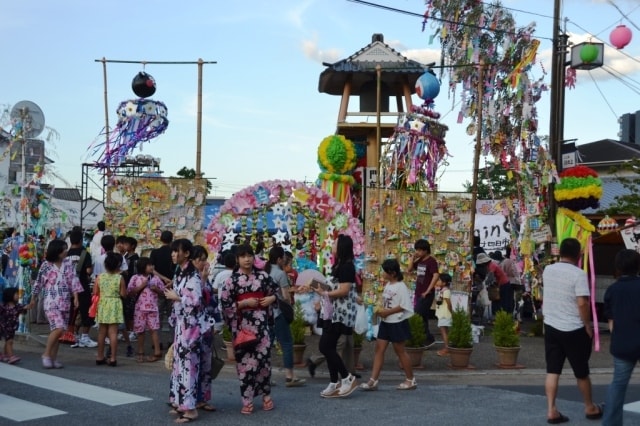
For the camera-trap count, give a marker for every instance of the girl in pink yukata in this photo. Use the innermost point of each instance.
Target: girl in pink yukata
(187, 318)
(145, 288)
(59, 283)
(10, 310)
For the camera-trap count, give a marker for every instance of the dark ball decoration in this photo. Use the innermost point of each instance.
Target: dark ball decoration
(143, 85)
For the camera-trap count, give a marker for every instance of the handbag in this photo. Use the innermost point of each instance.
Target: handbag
(93, 309)
(216, 363)
(494, 292)
(245, 339)
(168, 358)
(286, 309)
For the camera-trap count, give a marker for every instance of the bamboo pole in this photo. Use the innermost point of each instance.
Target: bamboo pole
(476, 156)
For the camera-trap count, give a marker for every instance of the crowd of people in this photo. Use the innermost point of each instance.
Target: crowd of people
(117, 290)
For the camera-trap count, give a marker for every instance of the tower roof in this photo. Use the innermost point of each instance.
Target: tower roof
(361, 66)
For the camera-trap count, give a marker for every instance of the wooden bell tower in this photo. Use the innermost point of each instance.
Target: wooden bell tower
(375, 73)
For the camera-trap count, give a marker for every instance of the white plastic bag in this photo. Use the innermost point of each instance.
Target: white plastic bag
(483, 297)
(360, 326)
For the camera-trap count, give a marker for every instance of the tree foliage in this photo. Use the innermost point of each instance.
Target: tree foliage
(188, 173)
(627, 174)
(494, 183)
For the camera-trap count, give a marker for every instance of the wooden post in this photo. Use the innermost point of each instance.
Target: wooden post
(199, 121)
(476, 156)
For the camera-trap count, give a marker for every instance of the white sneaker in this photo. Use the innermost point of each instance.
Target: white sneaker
(133, 337)
(107, 341)
(331, 391)
(120, 337)
(348, 385)
(86, 342)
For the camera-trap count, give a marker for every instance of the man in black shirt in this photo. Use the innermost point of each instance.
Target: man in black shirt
(164, 269)
(82, 262)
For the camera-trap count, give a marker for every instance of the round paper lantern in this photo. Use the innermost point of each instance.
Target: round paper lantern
(620, 36)
(427, 86)
(588, 53)
(143, 85)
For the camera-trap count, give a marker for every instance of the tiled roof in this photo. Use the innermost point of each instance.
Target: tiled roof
(361, 68)
(607, 151)
(611, 188)
(67, 194)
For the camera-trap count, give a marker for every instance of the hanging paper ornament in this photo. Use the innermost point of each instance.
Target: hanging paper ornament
(607, 224)
(139, 120)
(579, 188)
(143, 85)
(588, 53)
(620, 36)
(427, 87)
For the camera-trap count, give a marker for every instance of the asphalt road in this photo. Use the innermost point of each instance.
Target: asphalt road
(477, 396)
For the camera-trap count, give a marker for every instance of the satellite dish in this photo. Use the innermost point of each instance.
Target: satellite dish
(28, 115)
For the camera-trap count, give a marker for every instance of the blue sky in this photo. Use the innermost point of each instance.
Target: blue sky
(263, 117)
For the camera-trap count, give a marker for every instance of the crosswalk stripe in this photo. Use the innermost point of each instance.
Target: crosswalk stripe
(19, 410)
(68, 387)
(633, 407)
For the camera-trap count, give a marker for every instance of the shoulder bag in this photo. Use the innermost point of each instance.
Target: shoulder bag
(216, 363)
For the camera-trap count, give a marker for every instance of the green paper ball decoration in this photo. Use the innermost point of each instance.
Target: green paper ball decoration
(588, 53)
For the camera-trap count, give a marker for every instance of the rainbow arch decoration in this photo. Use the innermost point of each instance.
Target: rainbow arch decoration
(306, 221)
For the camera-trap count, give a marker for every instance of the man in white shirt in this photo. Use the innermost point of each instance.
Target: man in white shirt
(568, 329)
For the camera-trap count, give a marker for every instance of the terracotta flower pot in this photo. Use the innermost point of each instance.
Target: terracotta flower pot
(507, 357)
(298, 354)
(415, 355)
(230, 354)
(459, 357)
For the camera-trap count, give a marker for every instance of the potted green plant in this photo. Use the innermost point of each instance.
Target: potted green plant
(506, 339)
(298, 330)
(415, 345)
(460, 338)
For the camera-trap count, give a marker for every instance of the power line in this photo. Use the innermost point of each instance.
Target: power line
(602, 94)
(519, 10)
(423, 16)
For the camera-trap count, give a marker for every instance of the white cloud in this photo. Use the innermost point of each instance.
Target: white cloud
(312, 51)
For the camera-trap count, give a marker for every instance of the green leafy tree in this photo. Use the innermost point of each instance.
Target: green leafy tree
(494, 178)
(627, 174)
(188, 173)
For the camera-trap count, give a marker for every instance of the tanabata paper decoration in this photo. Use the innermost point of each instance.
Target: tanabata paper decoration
(139, 120)
(337, 159)
(415, 150)
(579, 188)
(323, 219)
(607, 224)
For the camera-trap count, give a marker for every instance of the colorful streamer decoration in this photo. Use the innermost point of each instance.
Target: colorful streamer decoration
(337, 158)
(139, 120)
(416, 149)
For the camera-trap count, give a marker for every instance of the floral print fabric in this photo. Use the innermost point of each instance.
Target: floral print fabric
(187, 320)
(110, 304)
(57, 285)
(253, 365)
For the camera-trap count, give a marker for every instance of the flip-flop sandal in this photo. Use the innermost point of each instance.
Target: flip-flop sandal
(247, 409)
(140, 357)
(206, 407)
(267, 404)
(594, 416)
(154, 357)
(185, 419)
(557, 420)
(14, 359)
